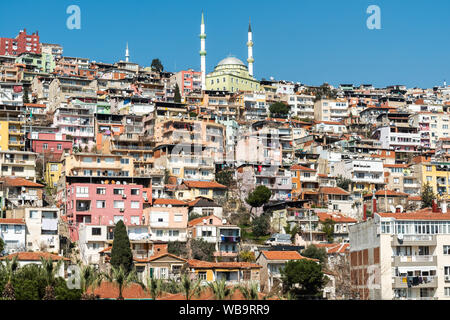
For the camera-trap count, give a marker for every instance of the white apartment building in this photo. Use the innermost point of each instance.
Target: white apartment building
(331, 110)
(432, 126)
(403, 256)
(392, 137)
(11, 94)
(42, 229)
(92, 239)
(302, 106)
(13, 233)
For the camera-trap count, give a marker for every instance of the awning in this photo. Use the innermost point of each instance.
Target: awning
(415, 268)
(227, 270)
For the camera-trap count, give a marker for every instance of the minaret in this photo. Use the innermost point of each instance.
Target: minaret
(250, 59)
(203, 52)
(127, 54)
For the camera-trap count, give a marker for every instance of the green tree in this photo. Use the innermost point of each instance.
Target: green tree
(192, 114)
(177, 97)
(166, 176)
(2, 243)
(343, 183)
(247, 256)
(89, 279)
(121, 254)
(50, 271)
(427, 195)
(328, 228)
(220, 289)
(202, 250)
(225, 177)
(261, 225)
(121, 278)
(8, 269)
(292, 231)
(302, 277)
(258, 197)
(314, 252)
(157, 65)
(190, 287)
(249, 291)
(279, 110)
(177, 248)
(154, 287)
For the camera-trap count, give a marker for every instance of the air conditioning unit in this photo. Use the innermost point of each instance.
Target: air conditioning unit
(447, 278)
(122, 210)
(124, 196)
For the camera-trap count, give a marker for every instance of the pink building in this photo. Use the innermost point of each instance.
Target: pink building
(103, 204)
(53, 143)
(188, 81)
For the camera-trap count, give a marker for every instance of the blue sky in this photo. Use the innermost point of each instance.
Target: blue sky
(306, 41)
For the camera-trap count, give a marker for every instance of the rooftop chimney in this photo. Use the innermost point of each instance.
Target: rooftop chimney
(434, 206)
(374, 204)
(444, 206)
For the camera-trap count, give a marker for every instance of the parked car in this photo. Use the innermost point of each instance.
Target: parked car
(279, 238)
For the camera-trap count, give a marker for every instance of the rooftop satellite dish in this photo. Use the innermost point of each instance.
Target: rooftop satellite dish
(204, 221)
(392, 208)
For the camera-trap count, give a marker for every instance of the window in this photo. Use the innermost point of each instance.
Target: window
(134, 204)
(201, 275)
(82, 191)
(124, 161)
(396, 180)
(96, 231)
(59, 146)
(207, 211)
(119, 204)
(53, 167)
(204, 192)
(17, 229)
(45, 146)
(428, 168)
(118, 191)
(101, 190)
(159, 233)
(447, 291)
(178, 218)
(4, 228)
(429, 178)
(135, 220)
(175, 171)
(34, 214)
(134, 192)
(446, 249)
(101, 204)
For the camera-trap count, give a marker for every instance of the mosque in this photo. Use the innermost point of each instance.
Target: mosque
(230, 74)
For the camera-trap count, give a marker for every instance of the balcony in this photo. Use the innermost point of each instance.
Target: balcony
(225, 254)
(414, 240)
(428, 282)
(230, 239)
(425, 260)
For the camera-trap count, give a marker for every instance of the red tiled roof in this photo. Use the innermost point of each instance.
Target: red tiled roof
(423, 214)
(20, 182)
(321, 175)
(336, 217)
(284, 255)
(333, 190)
(390, 193)
(174, 202)
(204, 184)
(301, 168)
(198, 220)
(12, 221)
(34, 256)
(221, 265)
(415, 198)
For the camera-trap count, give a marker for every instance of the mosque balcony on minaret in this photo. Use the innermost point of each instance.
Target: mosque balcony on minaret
(250, 60)
(250, 44)
(202, 36)
(203, 52)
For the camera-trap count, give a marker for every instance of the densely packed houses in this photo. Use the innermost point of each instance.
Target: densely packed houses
(174, 155)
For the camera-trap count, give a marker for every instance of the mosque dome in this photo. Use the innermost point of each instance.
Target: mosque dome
(230, 61)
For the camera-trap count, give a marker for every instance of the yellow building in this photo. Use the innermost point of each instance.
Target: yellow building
(52, 173)
(12, 135)
(98, 165)
(437, 174)
(189, 190)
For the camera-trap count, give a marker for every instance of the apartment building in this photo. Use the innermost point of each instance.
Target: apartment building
(13, 234)
(401, 178)
(103, 204)
(443, 149)
(42, 229)
(212, 229)
(188, 81)
(331, 110)
(23, 42)
(432, 126)
(11, 93)
(167, 219)
(301, 106)
(21, 164)
(437, 174)
(401, 256)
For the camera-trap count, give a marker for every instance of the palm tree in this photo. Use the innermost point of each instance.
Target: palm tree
(250, 292)
(9, 269)
(89, 278)
(220, 289)
(50, 273)
(154, 287)
(190, 287)
(122, 279)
